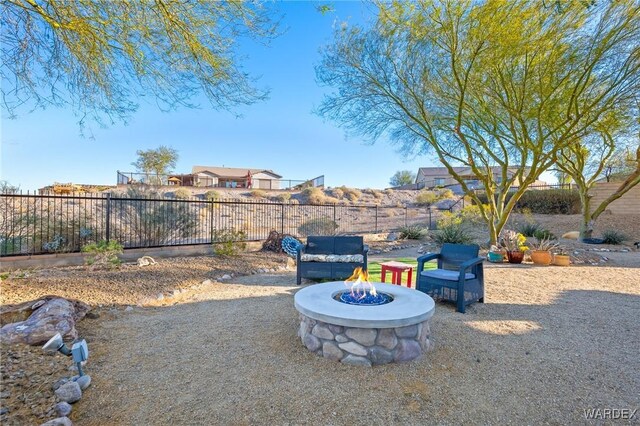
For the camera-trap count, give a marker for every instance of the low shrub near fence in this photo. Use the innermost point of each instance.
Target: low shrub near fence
(547, 201)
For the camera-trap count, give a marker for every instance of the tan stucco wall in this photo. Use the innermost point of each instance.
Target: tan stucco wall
(629, 203)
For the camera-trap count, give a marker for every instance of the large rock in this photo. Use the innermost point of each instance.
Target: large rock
(55, 315)
(387, 338)
(311, 342)
(331, 351)
(378, 355)
(60, 421)
(322, 332)
(84, 381)
(364, 336)
(62, 409)
(356, 360)
(407, 350)
(354, 348)
(69, 392)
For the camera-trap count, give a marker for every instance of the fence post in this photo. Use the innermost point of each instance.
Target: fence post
(334, 213)
(211, 212)
(405, 216)
(282, 218)
(376, 230)
(108, 227)
(430, 220)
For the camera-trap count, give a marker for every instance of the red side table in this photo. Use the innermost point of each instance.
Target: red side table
(396, 269)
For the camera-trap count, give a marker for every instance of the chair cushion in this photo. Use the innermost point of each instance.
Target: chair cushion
(343, 258)
(445, 274)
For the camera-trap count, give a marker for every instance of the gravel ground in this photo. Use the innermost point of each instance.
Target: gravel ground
(549, 343)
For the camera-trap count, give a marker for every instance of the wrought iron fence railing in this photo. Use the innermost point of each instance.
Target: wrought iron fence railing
(38, 224)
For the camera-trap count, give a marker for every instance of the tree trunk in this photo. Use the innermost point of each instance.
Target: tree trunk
(586, 227)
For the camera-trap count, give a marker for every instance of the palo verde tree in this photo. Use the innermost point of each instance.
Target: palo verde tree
(100, 56)
(402, 177)
(160, 161)
(605, 154)
(498, 87)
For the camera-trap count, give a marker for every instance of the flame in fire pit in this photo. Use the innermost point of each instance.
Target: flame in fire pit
(360, 285)
(362, 292)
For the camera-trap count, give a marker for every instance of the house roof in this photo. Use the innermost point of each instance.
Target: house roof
(465, 170)
(232, 172)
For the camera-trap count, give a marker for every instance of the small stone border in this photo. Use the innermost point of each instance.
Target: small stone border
(365, 346)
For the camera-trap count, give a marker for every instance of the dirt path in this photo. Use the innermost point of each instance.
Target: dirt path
(549, 343)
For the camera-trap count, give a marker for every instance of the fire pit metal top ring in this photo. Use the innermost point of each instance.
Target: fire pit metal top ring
(407, 308)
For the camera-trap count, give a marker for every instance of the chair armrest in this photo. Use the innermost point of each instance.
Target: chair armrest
(365, 249)
(425, 258)
(471, 262)
(468, 264)
(299, 251)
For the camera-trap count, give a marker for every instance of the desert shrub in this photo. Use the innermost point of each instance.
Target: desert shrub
(529, 229)
(377, 194)
(413, 232)
(426, 198)
(103, 254)
(470, 215)
(351, 194)
(211, 195)
(154, 222)
(547, 201)
(445, 194)
(294, 201)
(182, 194)
(337, 193)
(544, 234)
(454, 233)
(318, 226)
(313, 195)
(611, 236)
(228, 242)
(283, 197)
(258, 193)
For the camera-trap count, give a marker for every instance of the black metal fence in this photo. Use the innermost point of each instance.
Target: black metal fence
(38, 224)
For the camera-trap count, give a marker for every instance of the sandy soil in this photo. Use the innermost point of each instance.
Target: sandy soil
(548, 343)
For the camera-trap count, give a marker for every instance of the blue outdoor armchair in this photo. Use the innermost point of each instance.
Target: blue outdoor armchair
(459, 277)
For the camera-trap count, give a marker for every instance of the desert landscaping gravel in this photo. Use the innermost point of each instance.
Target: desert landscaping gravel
(548, 344)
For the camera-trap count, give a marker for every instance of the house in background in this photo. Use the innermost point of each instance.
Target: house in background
(430, 177)
(235, 177)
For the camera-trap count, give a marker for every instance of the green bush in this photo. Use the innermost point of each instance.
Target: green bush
(412, 232)
(544, 234)
(545, 201)
(453, 233)
(529, 229)
(182, 194)
(103, 253)
(611, 236)
(318, 226)
(211, 195)
(228, 242)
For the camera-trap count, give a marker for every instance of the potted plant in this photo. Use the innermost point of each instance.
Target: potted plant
(513, 242)
(541, 251)
(561, 257)
(496, 254)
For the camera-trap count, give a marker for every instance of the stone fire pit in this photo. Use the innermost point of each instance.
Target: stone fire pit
(364, 335)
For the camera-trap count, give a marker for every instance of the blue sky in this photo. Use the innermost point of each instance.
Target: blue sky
(282, 133)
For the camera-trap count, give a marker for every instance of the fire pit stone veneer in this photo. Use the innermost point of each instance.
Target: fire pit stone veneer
(398, 331)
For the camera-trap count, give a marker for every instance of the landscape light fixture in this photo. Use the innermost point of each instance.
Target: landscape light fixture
(79, 351)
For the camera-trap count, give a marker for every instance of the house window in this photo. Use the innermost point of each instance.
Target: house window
(439, 181)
